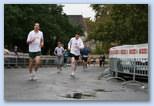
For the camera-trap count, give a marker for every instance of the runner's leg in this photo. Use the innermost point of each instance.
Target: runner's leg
(30, 68)
(100, 63)
(60, 63)
(57, 62)
(37, 63)
(75, 66)
(30, 65)
(84, 65)
(72, 65)
(76, 63)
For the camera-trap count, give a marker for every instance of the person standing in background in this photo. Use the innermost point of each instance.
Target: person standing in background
(59, 52)
(101, 60)
(16, 50)
(84, 53)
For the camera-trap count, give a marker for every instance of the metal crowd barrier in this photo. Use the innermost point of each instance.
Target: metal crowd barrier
(137, 66)
(114, 68)
(129, 67)
(129, 61)
(22, 60)
(47, 61)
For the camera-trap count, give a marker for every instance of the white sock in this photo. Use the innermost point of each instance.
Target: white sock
(30, 76)
(72, 73)
(35, 75)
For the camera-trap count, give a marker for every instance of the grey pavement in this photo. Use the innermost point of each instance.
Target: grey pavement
(54, 86)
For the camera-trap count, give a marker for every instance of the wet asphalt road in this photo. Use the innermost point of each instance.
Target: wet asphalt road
(54, 86)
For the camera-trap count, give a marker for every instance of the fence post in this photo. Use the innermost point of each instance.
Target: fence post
(115, 63)
(133, 81)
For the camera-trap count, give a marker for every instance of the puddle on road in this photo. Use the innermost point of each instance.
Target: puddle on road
(85, 95)
(79, 95)
(113, 90)
(102, 90)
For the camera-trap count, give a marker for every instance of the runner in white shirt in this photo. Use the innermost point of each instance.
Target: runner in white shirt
(74, 45)
(35, 42)
(59, 52)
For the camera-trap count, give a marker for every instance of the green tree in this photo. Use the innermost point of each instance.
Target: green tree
(120, 24)
(20, 18)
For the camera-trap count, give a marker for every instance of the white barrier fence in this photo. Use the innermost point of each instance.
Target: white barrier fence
(129, 60)
(127, 66)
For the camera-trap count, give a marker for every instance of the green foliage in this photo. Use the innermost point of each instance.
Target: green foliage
(98, 50)
(19, 19)
(120, 24)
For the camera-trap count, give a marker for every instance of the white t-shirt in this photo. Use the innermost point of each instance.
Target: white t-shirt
(59, 51)
(35, 45)
(75, 45)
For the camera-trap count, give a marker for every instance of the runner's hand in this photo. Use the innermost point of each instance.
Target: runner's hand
(32, 40)
(41, 45)
(68, 49)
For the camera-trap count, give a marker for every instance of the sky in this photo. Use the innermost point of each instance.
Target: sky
(79, 9)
